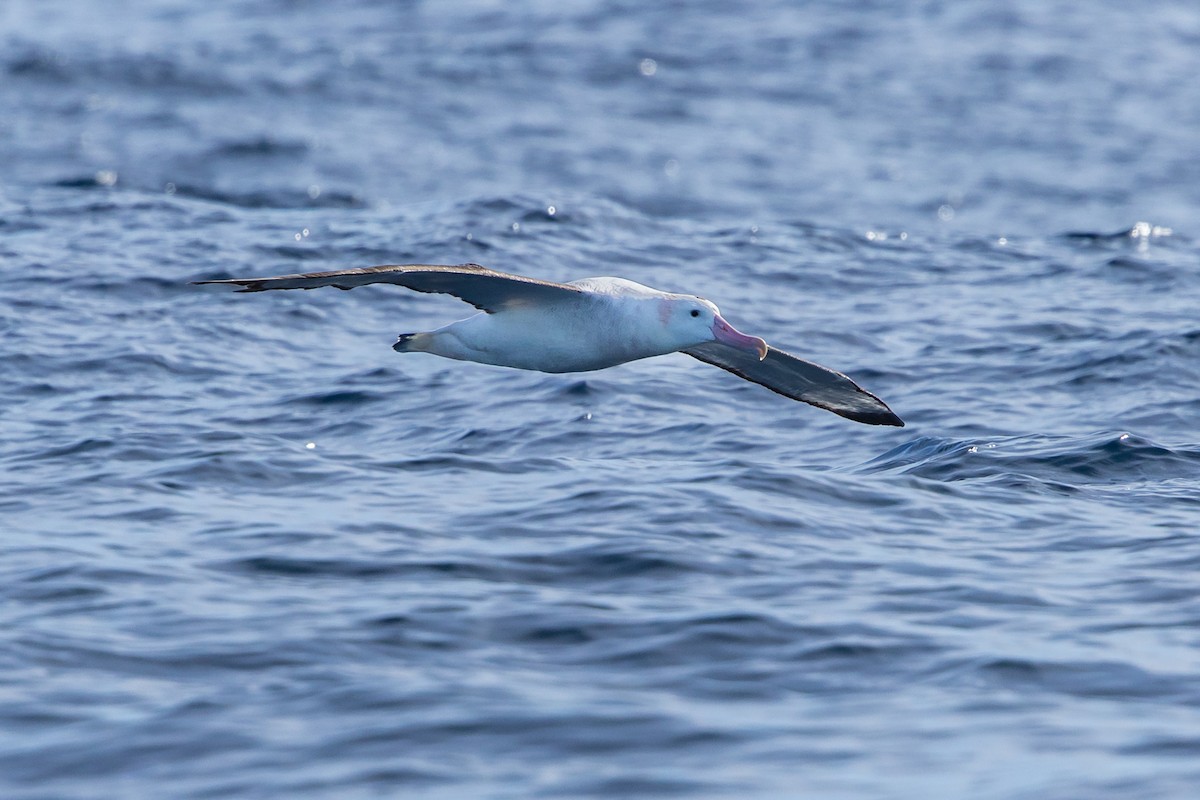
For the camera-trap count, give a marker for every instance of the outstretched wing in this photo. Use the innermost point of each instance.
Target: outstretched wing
(486, 289)
(800, 380)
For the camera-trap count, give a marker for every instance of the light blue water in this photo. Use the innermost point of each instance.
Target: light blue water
(247, 550)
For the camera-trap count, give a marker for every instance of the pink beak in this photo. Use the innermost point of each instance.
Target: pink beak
(725, 333)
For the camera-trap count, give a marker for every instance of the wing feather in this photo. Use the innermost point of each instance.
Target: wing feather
(800, 380)
(486, 289)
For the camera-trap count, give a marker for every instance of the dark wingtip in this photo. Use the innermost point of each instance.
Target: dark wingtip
(248, 286)
(878, 414)
(884, 417)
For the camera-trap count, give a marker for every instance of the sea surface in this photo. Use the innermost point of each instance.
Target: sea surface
(248, 551)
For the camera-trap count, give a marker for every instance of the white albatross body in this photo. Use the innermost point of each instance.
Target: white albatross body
(590, 324)
(611, 321)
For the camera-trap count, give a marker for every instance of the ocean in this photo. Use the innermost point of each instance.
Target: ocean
(248, 551)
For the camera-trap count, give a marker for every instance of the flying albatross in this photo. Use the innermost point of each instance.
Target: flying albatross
(590, 324)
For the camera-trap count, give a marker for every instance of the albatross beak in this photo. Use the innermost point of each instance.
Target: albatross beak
(725, 333)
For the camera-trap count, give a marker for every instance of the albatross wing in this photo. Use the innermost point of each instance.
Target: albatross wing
(800, 380)
(486, 289)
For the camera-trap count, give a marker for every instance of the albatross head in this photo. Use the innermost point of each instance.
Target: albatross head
(694, 320)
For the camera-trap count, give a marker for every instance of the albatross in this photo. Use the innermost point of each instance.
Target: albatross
(590, 324)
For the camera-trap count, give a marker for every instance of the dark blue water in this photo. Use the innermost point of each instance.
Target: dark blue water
(247, 550)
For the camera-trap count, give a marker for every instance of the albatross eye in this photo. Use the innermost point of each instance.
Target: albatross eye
(695, 312)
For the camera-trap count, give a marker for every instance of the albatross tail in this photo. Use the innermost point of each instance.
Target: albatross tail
(412, 343)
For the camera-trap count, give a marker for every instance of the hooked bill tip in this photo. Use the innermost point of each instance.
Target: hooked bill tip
(727, 334)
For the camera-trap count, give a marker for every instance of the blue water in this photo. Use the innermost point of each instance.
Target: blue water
(247, 550)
